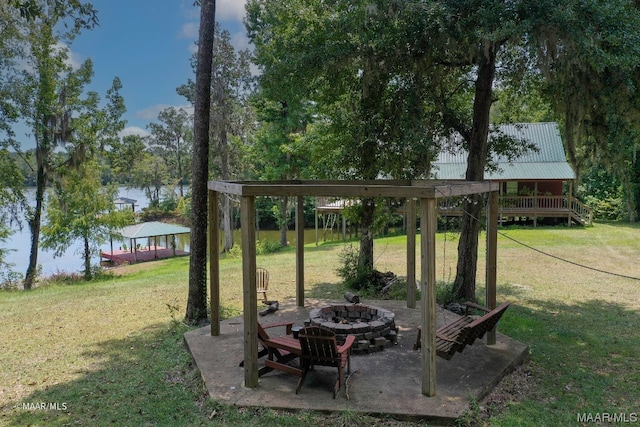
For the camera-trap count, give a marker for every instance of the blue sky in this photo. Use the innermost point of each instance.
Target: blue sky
(148, 45)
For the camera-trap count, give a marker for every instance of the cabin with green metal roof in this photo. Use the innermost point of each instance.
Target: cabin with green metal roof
(537, 185)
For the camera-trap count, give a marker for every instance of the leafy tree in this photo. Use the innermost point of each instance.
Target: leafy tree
(277, 150)
(588, 54)
(150, 173)
(354, 64)
(82, 14)
(171, 140)
(50, 92)
(11, 199)
(390, 78)
(124, 156)
(80, 208)
(197, 296)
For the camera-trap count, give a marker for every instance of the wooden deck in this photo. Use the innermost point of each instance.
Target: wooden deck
(120, 257)
(530, 207)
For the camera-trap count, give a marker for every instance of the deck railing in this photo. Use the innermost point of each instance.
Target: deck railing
(534, 202)
(582, 212)
(531, 206)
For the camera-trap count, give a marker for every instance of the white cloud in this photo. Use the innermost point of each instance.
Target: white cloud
(133, 130)
(151, 113)
(193, 48)
(74, 60)
(240, 41)
(226, 10)
(189, 30)
(230, 10)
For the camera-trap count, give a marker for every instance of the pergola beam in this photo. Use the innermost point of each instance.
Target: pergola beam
(375, 188)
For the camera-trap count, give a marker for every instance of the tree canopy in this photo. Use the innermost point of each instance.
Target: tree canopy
(389, 80)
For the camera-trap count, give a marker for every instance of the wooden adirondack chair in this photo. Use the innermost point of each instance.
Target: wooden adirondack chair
(455, 336)
(319, 347)
(281, 349)
(262, 283)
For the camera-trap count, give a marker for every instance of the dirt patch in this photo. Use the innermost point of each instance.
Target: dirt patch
(515, 387)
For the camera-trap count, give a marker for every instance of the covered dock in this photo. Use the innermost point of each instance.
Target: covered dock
(153, 248)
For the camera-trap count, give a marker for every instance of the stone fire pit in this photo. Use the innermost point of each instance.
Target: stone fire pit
(374, 327)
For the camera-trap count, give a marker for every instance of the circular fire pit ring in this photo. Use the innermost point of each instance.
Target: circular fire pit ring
(373, 327)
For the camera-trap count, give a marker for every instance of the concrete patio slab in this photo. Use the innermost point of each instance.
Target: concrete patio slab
(387, 382)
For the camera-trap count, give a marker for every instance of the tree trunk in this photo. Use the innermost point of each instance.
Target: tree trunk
(373, 86)
(365, 259)
(464, 286)
(197, 298)
(87, 259)
(284, 202)
(226, 175)
(226, 222)
(35, 221)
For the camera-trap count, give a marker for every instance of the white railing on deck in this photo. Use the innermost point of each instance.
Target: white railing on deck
(532, 206)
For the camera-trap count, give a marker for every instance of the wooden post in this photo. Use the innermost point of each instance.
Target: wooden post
(492, 258)
(535, 204)
(411, 253)
(135, 250)
(316, 219)
(214, 263)
(570, 203)
(300, 252)
(428, 225)
(250, 295)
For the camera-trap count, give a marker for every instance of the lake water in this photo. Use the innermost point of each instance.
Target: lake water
(71, 261)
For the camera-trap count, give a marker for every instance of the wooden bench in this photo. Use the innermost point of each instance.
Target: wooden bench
(455, 336)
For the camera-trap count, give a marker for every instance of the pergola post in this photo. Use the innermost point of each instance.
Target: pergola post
(492, 258)
(428, 225)
(300, 251)
(249, 292)
(214, 263)
(411, 253)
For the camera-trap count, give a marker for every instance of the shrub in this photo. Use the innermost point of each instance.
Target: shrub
(354, 275)
(445, 294)
(267, 246)
(10, 280)
(235, 251)
(607, 208)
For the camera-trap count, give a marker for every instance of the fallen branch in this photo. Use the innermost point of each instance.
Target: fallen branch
(273, 306)
(346, 383)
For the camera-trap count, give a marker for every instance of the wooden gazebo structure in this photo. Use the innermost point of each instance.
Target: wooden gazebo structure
(427, 192)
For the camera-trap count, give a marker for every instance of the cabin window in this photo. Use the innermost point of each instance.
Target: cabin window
(512, 187)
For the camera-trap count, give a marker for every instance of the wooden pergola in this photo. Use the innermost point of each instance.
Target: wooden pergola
(427, 192)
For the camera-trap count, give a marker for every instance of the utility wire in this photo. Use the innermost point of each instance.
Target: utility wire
(568, 261)
(548, 254)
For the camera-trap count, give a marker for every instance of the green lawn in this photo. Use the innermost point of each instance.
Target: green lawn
(111, 351)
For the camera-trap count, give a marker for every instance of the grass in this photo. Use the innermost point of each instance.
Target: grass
(111, 351)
